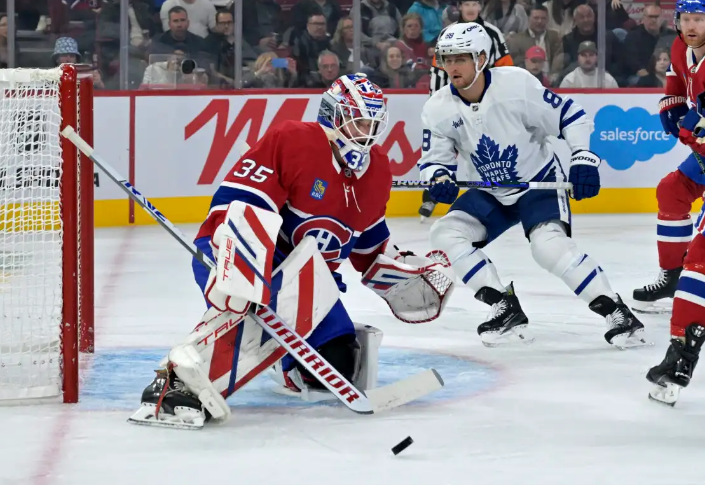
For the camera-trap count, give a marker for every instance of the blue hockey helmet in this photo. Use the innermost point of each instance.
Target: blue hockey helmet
(688, 6)
(354, 111)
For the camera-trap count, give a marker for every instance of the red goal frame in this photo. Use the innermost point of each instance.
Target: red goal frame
(76, 195)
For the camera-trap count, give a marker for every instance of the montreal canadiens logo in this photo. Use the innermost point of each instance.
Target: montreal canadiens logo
(331, 236)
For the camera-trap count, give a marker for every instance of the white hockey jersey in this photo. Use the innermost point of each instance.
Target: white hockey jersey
(504, 137)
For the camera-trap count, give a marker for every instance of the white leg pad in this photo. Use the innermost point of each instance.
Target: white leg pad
(455, 234)
(370, 339)
(189, 366)
(555, 252)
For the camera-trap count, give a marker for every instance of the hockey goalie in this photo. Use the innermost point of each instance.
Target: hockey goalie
(299, 203)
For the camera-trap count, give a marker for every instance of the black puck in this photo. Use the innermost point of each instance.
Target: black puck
(403, 444)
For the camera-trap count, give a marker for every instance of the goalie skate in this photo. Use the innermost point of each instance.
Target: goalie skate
(166, 403)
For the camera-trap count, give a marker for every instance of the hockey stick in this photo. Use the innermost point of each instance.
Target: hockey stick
(490, 185)
(374, 400)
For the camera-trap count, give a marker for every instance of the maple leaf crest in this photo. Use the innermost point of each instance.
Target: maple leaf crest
(493, 165)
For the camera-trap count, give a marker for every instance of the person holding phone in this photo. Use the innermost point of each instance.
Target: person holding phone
(271, 72)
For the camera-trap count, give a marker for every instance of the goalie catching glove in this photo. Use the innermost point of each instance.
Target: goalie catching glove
(416, 288)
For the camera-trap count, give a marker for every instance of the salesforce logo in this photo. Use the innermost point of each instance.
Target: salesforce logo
(625, 137)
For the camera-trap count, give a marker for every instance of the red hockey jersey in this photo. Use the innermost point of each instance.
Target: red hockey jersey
(291, 170)
(685, 76)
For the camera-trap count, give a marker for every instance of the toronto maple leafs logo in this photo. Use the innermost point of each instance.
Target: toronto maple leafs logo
(492, 165)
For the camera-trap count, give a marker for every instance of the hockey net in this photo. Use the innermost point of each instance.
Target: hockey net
(46, 229)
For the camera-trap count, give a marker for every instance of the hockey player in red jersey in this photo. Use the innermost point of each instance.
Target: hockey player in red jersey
(677, 191)
(682, 274)
(321, 183)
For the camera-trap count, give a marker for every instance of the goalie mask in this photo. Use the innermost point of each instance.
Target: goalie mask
(355, 112)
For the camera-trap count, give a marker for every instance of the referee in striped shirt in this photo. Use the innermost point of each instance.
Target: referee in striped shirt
(499, 56)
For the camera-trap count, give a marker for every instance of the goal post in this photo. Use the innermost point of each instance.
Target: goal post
(46, 233)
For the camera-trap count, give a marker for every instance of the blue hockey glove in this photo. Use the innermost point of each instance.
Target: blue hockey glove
(584, 174)
(672, 109)
(444, 190)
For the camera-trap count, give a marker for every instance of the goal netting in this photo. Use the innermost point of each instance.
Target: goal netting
(41, 266)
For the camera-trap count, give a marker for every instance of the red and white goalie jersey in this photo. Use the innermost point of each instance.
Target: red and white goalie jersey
(292, 170)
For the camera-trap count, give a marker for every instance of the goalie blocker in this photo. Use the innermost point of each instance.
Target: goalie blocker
(227, 348)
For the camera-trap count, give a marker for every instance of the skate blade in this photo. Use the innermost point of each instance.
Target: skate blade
(653, 307)
(665, 394)
(184, 418)
(515, 335)
(634, 340)
(423, 219)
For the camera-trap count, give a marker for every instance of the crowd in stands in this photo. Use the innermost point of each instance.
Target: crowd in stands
(308, 43)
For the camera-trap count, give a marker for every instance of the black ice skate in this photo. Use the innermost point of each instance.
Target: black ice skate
(507, 321)
(658, 296)
(165, 402)
(428, 206)
(624, 329)
(676, 370)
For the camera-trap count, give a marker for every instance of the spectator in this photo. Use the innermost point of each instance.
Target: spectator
(534, 62)
(309, 45)
(4, 54)
(269, 23)
(508, 15)
(164, 73)
(179, 37)
(201, 14)
(342, 46)
(395, 72)
(450, 15)
(220, 46)
(328, 71)
(266, 75)
(641, 42)
(66, 51)
(372, 10)
(30, 14)
(537, 34)
(658, 65)
(302, 11)
(411, 42)
(432, 14)
(76, 19)
(560, 16)
(586, 29)
(616, 17)
(142, 27)
(402, 5)
(585, 75)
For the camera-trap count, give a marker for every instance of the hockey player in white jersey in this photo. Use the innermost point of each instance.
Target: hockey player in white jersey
(500, 119)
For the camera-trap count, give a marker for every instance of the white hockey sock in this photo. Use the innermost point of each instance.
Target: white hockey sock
(456, 234)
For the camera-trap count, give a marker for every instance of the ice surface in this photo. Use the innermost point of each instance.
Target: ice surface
(567, 409)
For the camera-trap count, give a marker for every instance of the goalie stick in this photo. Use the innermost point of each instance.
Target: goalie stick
(371, 401)
(490, 184)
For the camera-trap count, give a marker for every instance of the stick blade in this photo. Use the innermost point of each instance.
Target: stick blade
(404, 391)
